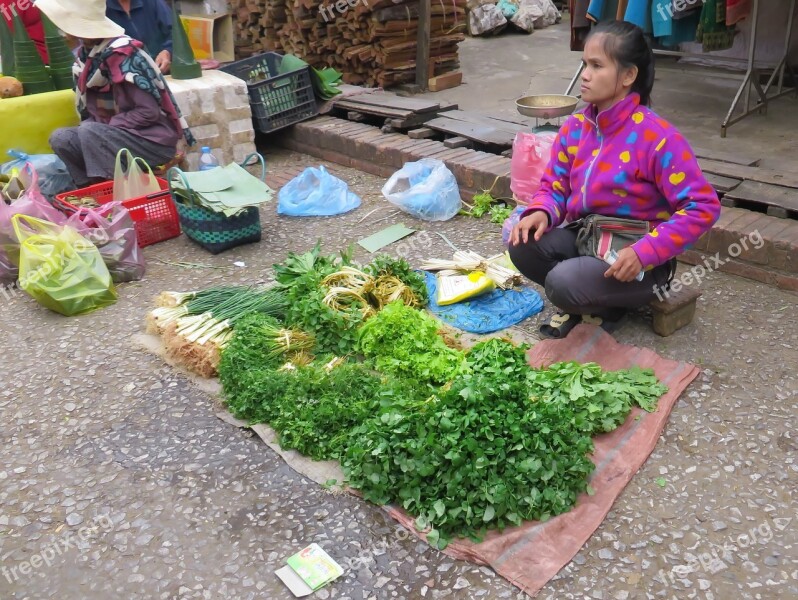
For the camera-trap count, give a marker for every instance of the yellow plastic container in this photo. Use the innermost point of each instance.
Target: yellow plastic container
(28, 121)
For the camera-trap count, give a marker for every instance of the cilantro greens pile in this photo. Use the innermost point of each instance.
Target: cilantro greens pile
(464, 441)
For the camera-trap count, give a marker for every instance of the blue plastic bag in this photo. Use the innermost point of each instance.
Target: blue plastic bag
(425, 189)
(487, 313)
(316, 193)
(54, 178)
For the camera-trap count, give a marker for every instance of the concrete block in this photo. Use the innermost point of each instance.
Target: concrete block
(216, 107)
(675, 311)
(241, 125)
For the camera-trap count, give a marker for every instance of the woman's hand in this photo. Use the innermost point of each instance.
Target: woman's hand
(537, 223)
(626, 267)
(164, 61)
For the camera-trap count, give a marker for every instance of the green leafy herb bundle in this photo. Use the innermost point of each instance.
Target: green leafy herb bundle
(404, 342)
(302, 276)
(386, 265)
(478, 455)
(600, 400)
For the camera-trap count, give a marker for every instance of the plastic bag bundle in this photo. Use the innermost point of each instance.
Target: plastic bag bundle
(113, 231)
(30, 203)
(60, 269)
(530, 157)
(53, 177)
(316, 193)
(426, 189)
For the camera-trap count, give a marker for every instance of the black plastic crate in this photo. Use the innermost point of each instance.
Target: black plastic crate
(277, 100)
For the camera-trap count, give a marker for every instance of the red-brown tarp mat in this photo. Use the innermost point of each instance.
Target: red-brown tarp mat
(530, 555)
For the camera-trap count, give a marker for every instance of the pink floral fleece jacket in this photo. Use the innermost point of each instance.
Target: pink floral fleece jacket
(628, 162)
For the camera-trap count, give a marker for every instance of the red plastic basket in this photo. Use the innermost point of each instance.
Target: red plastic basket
(155, 215)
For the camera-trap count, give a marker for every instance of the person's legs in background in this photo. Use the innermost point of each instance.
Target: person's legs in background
(66, 144)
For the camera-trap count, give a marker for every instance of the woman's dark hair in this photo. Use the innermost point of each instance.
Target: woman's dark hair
(626, 44)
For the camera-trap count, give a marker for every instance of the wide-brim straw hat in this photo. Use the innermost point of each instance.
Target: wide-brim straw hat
(83, 19)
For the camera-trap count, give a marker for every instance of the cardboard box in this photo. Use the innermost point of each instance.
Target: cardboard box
(210, 36)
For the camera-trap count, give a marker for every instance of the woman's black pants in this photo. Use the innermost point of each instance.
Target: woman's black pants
(576, 284)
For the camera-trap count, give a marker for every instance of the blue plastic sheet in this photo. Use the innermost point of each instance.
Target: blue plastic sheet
(490, 312)
(316, 193)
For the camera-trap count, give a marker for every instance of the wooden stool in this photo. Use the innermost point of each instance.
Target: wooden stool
(674, 311)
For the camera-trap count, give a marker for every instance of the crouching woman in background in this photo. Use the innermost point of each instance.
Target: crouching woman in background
(122, 97)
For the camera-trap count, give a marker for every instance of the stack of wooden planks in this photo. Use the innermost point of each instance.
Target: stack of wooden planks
(372, 42)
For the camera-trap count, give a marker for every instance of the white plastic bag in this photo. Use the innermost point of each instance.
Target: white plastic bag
(133, 182)
(425, 189)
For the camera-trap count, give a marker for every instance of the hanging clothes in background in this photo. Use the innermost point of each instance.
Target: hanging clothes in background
(580, 24)
(713, 33)
(639, 13)
(685, 9)
(671, 32)
(601, 10)
(737, 10)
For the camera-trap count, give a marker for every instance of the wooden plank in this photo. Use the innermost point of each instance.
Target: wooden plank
(394, 102)
(753, 173)
(729, 157)
(482, 134)
(423, 43)
(446, 81)
(777, 200)
(380, 111)
(480, 119)
(458, 142)
(722, 184)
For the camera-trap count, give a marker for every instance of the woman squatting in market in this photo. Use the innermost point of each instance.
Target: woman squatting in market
(122, 97)
(615, 158)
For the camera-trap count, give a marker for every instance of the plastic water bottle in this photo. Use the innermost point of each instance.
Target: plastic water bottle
(207, 160)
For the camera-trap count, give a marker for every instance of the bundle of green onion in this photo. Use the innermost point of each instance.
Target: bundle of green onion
(210, 315)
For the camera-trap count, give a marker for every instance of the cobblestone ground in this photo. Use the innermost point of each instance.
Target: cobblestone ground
(102, 439)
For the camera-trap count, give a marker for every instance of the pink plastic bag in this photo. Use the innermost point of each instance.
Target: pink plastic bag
(112, 230)
(31, 203)
(530, 157)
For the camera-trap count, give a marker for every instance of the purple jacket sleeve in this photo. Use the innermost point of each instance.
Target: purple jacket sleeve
(693, 203)
(555, 185)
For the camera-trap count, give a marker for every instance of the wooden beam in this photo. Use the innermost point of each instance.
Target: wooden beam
(422, 44)
(458, 142)
(445, 81)
(421, 133)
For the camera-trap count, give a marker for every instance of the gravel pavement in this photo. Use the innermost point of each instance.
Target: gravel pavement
(117, 480)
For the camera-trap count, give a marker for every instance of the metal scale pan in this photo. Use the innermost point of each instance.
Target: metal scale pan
(547, 107)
